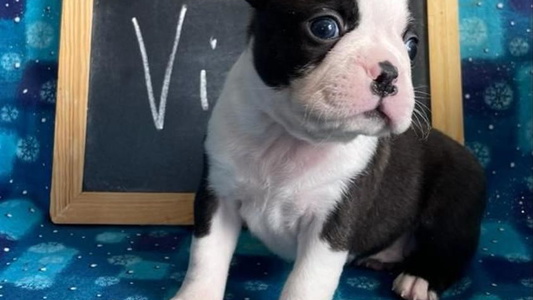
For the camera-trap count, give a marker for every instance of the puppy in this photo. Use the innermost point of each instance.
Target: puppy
(309, 146)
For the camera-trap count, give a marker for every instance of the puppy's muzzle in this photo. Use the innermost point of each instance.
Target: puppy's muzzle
(383, 85)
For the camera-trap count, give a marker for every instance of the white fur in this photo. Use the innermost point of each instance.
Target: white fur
(317, 269)
(211, 256)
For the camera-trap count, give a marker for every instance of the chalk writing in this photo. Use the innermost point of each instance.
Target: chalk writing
(203, 90)
(213, 43)
(158, 114)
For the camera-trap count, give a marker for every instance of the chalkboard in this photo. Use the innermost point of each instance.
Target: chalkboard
(123, 157)
(126, 149)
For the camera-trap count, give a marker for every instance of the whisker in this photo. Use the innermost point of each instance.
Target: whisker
(416, 124)
(422, 120)
(422, 94)
(422, 105)
(423, 110)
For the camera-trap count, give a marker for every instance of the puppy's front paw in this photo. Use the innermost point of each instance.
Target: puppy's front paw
(413, 288)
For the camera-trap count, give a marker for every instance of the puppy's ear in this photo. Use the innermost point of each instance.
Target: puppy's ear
(258, 4)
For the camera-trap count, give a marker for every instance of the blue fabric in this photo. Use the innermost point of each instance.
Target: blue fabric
(39, 260)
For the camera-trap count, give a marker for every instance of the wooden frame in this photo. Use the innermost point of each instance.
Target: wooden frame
(445, 67)
(71, 205)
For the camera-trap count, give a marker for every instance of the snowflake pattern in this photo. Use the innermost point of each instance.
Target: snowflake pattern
(517, 258)
(363, 282)
(474, 31)
(481, 151)
(136, 297)
(124, 260)
(34, 283)
(105, 281)
(48, 91)
(111, 237)
(499, 96)
(9, 114)
(10, 61)
(518, 46)
(45, 248)
(40, 35)
(255, 286)
(28, 149)
(527, 282)
(52, 260)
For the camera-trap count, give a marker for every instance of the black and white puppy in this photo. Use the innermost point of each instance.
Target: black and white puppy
(309, 146)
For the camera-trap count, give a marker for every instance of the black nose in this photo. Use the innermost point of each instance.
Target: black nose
(383, 86)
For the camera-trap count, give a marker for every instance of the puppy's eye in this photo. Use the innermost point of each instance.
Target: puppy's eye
(412, 46)
(325, 28)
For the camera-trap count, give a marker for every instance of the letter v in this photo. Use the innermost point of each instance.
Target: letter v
(159, 114)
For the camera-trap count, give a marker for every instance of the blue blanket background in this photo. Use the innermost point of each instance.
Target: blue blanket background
(39, 260)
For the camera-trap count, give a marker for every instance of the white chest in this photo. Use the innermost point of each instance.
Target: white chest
(281, 183)
(275, 214)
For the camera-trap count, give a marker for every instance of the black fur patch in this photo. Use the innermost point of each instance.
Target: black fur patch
(283, 48)
(433, 188)
(205, 204)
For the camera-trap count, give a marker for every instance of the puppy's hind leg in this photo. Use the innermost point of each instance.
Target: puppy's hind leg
(437, 262)
(446, 238)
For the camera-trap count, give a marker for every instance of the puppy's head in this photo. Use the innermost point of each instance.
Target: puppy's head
(343, 65)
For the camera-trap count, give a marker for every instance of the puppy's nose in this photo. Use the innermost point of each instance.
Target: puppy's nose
(383, 85)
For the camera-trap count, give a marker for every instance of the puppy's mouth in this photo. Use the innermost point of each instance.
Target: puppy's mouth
(342, 124)
(345, 128)
(377, 114)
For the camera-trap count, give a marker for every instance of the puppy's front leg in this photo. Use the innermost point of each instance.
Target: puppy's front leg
(217, 227)
(317, 269)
